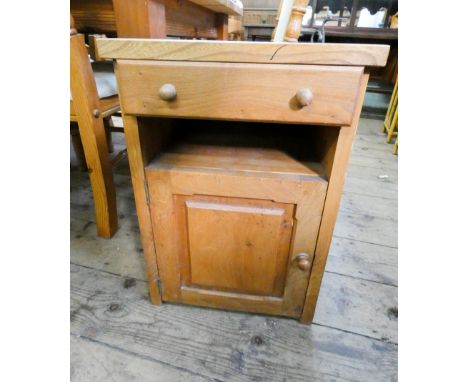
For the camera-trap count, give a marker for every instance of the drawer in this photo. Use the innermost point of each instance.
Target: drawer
(243, 92)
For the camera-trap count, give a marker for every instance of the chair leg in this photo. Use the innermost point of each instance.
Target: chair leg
(390, 110)
(385, 127)
(110, 143)
(93, 136)
(393, 125)
(78, 148)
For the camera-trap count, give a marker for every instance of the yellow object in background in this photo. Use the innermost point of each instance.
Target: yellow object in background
(390, 125)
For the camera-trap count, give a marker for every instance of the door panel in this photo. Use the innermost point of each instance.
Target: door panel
(234, 244)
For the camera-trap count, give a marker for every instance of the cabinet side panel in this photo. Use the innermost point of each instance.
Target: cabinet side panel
(332, 204)
(135, 158)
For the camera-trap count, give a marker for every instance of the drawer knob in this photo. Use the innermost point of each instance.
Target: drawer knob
(304, 97)
(168, 92)
(303, 261)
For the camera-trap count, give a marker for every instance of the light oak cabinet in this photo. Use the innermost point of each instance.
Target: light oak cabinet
(238, 153)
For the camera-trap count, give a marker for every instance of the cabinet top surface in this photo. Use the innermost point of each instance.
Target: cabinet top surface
(243, 51)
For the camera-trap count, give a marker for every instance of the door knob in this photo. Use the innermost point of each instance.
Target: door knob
(303, 261)
(304, 97)
(168, 92)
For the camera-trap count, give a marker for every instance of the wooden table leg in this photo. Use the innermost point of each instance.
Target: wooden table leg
(222, 26)
(140, 18)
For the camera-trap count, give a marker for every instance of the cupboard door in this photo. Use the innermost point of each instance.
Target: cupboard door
(234, 244)
(237, 246)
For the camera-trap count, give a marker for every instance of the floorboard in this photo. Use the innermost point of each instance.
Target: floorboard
(358, 306)
(371, 187)
(96, 361)
(363, 260)
(369, 205)
(220, 345)
(367, 228)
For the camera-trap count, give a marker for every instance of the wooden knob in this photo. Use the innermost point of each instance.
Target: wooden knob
(304, 97)
(303, 261)
(168, 92)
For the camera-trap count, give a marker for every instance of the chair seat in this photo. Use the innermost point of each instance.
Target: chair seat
(104, 75)
(106, 85)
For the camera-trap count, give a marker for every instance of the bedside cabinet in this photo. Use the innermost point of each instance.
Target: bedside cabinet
(238, 153)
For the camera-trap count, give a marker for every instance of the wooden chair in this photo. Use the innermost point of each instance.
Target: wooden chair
(90, 113)
(289, 20)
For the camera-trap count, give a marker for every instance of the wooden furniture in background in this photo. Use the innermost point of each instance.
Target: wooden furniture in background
(90, 129)
(155, 18)
(283, 14)
(289, 20)
(345, 27)
(293, 30)
(259, 23)
(238, 153)
(235, 29)
(349, 26)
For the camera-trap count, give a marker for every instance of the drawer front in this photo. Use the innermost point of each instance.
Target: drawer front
(244, 92)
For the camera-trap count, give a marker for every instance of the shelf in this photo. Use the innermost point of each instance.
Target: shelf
(272, 150)
(261, 161)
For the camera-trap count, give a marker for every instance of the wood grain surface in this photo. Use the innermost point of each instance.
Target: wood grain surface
(214, 345)
(244, 51)
(246, 92)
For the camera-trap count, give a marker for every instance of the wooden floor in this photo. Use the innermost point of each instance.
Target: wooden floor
(117, 335)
